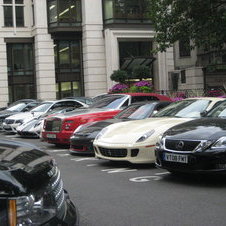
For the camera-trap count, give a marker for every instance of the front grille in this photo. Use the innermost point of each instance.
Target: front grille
(181, 145)
(9, 121)
(53, 125)
(56, 188)
(113, 152)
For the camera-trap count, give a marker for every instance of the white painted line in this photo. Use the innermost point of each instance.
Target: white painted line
(84, 159)
(144, 179)
(164, 173)
(63, 155)
(54, 151)
(119, 170)
(91, 165)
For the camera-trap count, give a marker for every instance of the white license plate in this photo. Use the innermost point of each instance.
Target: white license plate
(50, 135)
(175, 158)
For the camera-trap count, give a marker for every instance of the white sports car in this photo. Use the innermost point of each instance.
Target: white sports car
(135, 141)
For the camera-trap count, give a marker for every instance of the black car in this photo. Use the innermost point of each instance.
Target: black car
(82, 139)
(31, 191)
(197, 146)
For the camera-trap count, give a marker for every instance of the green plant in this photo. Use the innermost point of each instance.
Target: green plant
(119, 76)
(141, 72)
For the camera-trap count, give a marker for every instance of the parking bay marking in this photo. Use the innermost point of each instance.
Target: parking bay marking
(119, 170)
(54, 151)
(143, 179)
(83, 159)
(61, 155)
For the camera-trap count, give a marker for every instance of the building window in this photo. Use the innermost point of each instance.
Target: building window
(64, 13)
(183, 76)
(124, 11)
(21, 73)
(68, 68)
(9, 16)
(184, 48)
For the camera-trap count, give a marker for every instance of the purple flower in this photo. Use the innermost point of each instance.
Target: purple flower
(143, 83)
(118, 88)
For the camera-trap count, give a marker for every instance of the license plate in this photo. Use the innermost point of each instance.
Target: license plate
(175, 158)
(50, 135)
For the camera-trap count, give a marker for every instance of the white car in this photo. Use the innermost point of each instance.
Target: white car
(134, 141)
(11, 123)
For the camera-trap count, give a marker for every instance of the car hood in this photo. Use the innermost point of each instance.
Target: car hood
(4, 114)
(96, 127)
(200, 129)
(130, 132)
(26, 115)
(23, 168)
(82, 111)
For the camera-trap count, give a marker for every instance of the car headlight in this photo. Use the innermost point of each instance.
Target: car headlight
(19, 121)
(220, 143)
(145, 136)
(160, 141)
(31, 210)
(101, 133)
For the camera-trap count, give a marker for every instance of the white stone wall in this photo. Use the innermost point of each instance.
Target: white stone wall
(44, 54)
(94, 62)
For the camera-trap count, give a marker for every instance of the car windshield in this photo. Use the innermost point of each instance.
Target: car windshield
(219, 111)
(136, 112)
(42, 107)
(17, 107)
(184, 108)
(111, 102)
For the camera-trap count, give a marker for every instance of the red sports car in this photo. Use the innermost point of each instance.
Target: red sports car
(58, 129)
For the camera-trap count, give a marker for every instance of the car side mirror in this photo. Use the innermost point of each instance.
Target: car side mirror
(203, 114)
(154, 112)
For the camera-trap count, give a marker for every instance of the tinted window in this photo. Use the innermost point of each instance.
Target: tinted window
(184, 108)
(219, 111)
(113, 102)
(42, 108)
(136, 112)
(143, 98)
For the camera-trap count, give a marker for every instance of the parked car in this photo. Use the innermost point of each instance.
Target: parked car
(34, 127)
(198, 146)
(82, 139)
(11, 123)
(58, 129)
(135, 141)
(26, 101)
(31, 190)
(15, 109)
(85, 100)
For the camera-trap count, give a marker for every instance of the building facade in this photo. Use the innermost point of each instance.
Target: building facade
(197, 69)
(55, 48)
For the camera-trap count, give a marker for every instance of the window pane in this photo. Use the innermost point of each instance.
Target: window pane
(75, 11)
(52, 12)
(19, 1)
(64, 11)
(65, 89)
(64, 55)
(28, 57)
(108, 9)
(7, 1)
(19, 16)
(8, 16)
(75, 55)
(76, 89)
(23, 91)
(18, 61)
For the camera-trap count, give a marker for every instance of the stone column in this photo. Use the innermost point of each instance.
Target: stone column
(3, 74)
(94, 62)
(44, 54)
